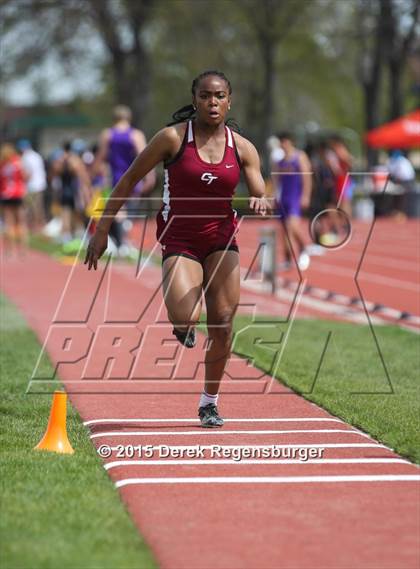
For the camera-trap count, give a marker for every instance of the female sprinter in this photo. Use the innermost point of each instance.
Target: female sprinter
(196, 225)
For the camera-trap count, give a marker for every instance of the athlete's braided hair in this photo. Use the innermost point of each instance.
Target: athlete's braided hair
(185, 113)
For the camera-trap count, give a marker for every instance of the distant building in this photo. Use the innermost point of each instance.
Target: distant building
(47, 126)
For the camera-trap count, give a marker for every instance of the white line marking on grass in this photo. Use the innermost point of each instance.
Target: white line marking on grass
(219, 432)
(189, 420)
(214, 462)
(272, 479)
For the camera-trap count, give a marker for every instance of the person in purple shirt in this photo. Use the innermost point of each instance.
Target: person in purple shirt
(119, 146)
(292, 182)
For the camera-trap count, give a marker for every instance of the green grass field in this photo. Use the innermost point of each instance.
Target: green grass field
(56, 510)
(349, 379)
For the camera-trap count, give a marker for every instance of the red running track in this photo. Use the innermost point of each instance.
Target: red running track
(386, 253)
(357, 506)
(389, 272)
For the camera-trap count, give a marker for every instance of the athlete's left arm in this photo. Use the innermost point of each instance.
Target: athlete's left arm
(149, 181)
(306, 170)
(253, 177)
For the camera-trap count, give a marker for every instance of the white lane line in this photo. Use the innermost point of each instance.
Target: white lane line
(343, 310)
(346, 312)
(214, 462)
(345, 301)
(219, 432)
(391, 312)
(351, 314)
(350, 254)
(242, 420)
(272, 479)
(381, 260)
(366, 276)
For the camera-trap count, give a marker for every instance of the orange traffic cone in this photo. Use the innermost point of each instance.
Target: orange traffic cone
(55, 438)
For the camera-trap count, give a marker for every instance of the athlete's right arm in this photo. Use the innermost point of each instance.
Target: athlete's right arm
(161, 147)
(102, 153)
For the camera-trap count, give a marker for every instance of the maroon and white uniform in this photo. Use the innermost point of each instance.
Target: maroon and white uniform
(197, 218)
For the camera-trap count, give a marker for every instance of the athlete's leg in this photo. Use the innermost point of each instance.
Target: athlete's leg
(294, 227)
(116, 233)
(39, 210)
(288, 206)
(29, 202)
(9, 233)
(66, 220)
(182, 282)
(21, 232)
(221, 286)
(286, 241)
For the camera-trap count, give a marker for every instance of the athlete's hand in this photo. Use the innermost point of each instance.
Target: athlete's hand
(96, 248)
(259, 205)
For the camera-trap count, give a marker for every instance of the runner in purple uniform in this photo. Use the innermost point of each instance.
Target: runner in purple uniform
(121, 143)
(119, 146)
(122, 149)
(292, 177)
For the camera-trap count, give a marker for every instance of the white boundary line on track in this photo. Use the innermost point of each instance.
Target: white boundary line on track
(316, 301)
(371, 258)
(214, 462)
(272, 479)
(326, 307)
(189, 420)
(346, 312)
(367, 276)
(220, 432)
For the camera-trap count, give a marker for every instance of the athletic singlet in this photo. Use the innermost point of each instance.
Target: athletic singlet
(290, 179)
(12, 182)
(197, 195)
(68, 177)
(69, 185)
(121, 152)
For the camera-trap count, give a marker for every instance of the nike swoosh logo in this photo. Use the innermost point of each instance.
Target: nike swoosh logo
(229, 165)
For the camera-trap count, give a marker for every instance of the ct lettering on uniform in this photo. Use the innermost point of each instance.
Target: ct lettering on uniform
(207, 177)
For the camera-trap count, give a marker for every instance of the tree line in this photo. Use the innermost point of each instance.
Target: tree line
(291, 62)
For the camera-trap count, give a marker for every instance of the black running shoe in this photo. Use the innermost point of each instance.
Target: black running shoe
(209, 416)
(186, 338)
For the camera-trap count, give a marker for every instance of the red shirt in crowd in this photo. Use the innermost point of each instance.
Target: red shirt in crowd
(12, 179)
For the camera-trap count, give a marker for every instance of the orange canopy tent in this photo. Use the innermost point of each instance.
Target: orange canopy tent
(400, 133)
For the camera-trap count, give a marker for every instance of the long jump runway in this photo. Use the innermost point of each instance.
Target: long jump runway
(212, 498)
